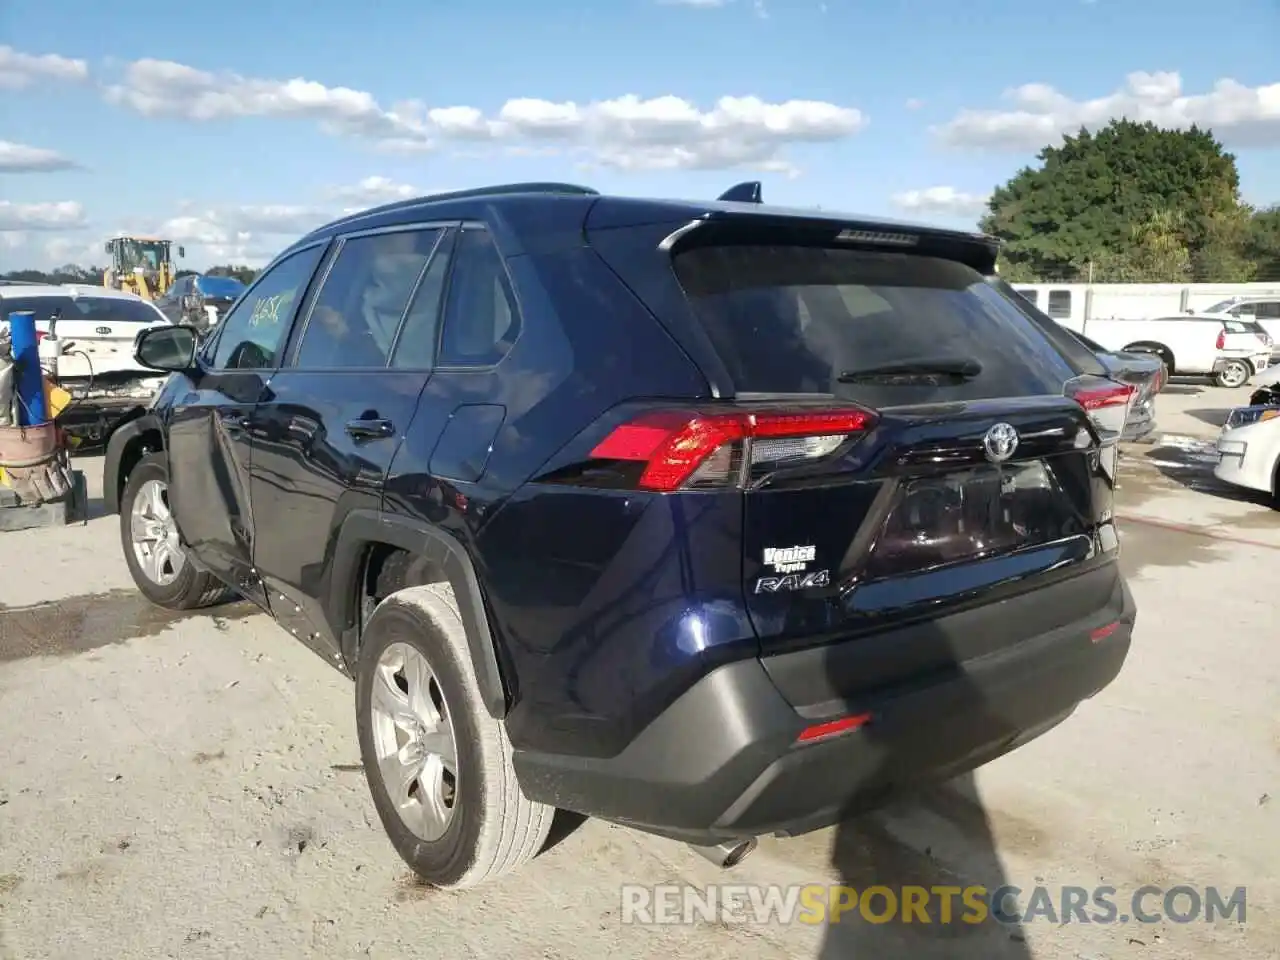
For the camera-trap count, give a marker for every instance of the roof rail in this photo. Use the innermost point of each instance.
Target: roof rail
(495, 190)
(749, 192)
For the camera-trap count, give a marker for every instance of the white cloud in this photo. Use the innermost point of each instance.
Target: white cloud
(629, 132)
(914, 103)
(941, 201)
(20, 158)
(162, 88)
(59, 251)
(1039, 114)
(19, 70)
(240, 225)
(41, 216)
(375, 190)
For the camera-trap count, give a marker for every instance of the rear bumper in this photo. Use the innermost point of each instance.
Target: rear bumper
(723, 762)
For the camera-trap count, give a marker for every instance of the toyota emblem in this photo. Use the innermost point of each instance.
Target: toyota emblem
(1000, 442)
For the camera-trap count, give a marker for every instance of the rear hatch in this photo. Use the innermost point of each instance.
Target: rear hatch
(1246, 339)
(904, 439)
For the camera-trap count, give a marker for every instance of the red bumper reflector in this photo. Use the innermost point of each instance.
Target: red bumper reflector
(830, 728)
(1103, 632)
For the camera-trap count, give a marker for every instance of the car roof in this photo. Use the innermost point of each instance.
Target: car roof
(569, 209)
(66, 290)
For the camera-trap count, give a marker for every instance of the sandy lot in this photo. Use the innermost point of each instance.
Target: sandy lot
(189, 786)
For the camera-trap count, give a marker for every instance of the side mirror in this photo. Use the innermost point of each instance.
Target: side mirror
(170, 349)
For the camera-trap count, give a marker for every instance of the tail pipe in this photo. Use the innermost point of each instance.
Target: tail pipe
(727, 854)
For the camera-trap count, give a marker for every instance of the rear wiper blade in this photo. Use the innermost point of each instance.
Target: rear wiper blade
(955, 368)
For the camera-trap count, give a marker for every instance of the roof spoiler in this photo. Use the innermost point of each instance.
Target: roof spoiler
(748, 192)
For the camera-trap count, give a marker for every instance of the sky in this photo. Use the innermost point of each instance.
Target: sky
(233, 127)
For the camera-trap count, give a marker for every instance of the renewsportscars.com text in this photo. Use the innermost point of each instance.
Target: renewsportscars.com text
(823, 903)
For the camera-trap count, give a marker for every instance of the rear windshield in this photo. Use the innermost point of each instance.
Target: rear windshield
(104, 310)
(791, 319)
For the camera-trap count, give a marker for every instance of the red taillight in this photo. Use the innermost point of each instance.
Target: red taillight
(830, 728)
(1221, 341)
(1100, 634)
(678, 448)
(40, 335)
(1098, 398)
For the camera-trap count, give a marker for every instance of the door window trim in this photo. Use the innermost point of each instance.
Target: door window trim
(210, 349)
(303, 318)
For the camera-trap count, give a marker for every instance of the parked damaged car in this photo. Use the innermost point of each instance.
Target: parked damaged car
(1147, 374)
(1144, 370)
(1249, 444)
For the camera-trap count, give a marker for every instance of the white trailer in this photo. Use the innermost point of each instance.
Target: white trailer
(1074, 304)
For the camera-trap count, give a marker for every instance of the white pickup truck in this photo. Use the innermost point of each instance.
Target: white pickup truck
(1191, 345)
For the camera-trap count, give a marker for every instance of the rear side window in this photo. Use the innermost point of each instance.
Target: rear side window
(791, 320)
(481, 321)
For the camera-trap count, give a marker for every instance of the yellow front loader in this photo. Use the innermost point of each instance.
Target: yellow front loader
(140, 265)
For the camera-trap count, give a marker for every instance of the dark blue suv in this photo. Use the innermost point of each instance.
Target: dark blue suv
(712, 519)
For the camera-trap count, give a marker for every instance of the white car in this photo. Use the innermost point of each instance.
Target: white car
(96, 326)
(1197, 345)
(1263, 310)
(1249, 444)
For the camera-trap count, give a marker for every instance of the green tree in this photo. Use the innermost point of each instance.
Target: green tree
(1130, 190)
(1263, 244)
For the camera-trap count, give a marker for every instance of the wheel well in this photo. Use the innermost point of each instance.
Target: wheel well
(386, 569)
(1150, 346)
(149, 441)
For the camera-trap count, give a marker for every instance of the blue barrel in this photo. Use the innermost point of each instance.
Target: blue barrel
(28, 385)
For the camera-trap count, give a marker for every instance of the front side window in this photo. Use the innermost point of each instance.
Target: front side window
(358, 309)
(254, 332)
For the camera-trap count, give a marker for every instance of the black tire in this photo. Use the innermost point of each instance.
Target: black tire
(493, 828)
(193, 588)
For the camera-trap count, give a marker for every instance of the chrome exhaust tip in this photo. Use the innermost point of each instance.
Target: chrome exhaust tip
(727, 854)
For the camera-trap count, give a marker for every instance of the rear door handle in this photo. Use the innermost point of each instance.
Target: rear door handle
(374, 429)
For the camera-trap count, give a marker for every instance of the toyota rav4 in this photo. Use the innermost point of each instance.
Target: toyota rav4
(713, 519)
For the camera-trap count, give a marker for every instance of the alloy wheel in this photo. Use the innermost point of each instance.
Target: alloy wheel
(1234, 374)
(154, 533)
(414, 741)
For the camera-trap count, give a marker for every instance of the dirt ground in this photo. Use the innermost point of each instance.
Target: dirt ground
(189, 786)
